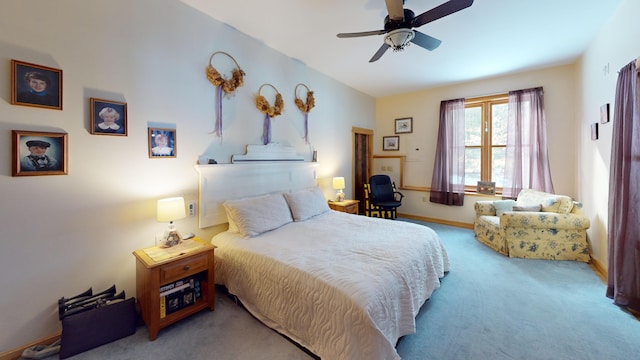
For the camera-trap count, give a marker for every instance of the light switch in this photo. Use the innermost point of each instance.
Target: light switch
(191, 206)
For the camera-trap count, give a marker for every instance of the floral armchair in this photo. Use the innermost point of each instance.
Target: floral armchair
(537, 225)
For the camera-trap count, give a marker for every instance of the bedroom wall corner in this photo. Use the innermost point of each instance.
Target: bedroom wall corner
(598, 68)
(424, 107)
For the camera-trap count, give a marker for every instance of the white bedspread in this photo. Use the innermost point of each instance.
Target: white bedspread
(343, 286)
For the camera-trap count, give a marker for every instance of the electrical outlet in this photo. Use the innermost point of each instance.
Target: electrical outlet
(192, 208)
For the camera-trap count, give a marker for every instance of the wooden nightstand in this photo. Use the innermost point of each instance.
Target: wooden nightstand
(190, 262)
(348, 206)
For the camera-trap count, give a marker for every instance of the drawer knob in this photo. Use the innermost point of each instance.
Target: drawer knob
(187, 267)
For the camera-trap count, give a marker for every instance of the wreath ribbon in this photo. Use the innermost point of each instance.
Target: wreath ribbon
(305, 108)
(223, 86)
(269, 111)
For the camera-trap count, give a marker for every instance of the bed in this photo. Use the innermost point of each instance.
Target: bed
(343, 286)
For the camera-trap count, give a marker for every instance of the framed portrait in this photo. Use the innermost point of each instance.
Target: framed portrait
(390, 143)
(486, 187)
(108, 117)
(604, 113)
(404, 125)
(594, 131)
(162, 143)
(39, 153)
(36, 85)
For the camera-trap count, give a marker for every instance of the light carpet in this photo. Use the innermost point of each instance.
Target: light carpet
(488, 307)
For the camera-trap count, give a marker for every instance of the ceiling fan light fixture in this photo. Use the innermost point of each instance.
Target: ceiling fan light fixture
(398, 39)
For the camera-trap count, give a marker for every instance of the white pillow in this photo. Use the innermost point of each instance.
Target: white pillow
(503, 206)
(307, 203)
(253, 216)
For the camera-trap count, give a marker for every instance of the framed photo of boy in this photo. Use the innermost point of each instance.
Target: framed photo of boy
(35, 85)
(39, 153)
(390, 143)
(162, 143)
(404, 125)
(108, 117)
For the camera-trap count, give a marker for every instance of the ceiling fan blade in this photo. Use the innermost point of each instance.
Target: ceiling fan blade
(363, 33)
(379, 53)
(396, 12)
(441, 11)
(425, 41)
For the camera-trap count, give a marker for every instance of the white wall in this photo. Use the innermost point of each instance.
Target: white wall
(424, 106)
(63, 234)
(615, 46)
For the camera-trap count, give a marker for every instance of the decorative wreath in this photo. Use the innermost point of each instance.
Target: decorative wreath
(311, 102)
(228, 85)
(263, 105)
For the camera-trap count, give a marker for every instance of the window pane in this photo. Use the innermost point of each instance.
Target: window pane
(472, 126)
(497, 165)
(499, 118)
(471, 166)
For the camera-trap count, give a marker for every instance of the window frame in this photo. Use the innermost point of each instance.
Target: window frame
(485, 103)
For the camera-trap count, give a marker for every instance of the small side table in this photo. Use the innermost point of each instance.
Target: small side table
(347, 206)
(195, 261)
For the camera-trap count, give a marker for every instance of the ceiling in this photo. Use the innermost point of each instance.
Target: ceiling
(490, 38)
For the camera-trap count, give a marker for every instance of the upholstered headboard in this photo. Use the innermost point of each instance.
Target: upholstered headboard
(221, 182)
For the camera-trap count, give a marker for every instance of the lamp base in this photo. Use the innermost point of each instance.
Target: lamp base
(170, 238)
(340, 196)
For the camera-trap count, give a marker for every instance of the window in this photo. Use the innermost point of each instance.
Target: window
(485, 140)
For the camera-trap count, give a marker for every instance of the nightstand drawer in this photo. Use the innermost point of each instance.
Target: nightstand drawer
(179, 269)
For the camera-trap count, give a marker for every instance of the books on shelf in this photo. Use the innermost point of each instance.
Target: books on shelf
(180, 294)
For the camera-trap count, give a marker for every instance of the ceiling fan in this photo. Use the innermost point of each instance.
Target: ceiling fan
(398, 26)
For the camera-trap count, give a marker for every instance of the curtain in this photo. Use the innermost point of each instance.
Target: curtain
(623, 283)
(447, 183)
(527, 160)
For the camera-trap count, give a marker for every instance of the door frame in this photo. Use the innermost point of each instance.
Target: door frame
(367, 156)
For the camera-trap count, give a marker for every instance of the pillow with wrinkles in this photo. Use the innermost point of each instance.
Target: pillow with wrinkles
(306, 203)
(534, 208)
(253, 216)
(503, 205)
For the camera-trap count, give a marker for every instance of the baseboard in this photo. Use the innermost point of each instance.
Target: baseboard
(599, 269)
(17, 353)
(437, 221)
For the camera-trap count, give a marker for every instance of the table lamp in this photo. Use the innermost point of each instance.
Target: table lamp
(338, 184)
(171, 209)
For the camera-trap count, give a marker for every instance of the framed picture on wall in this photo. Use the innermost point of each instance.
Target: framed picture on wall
(162, 143)
(404, 125)
(486, 187)
(390, 143)
(604, 113)
(594, 131)
(108, 117)
(36, 85)
(39, 153)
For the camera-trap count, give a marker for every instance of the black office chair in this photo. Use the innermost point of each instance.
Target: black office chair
(383, 196)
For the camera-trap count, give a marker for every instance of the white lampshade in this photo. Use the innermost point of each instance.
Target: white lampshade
(171, 209)
(338, 183)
